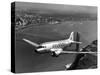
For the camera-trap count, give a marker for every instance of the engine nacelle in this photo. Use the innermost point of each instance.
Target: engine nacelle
(56, 53)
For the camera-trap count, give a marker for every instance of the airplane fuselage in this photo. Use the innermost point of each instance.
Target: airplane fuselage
(55, 47)
(48, 46)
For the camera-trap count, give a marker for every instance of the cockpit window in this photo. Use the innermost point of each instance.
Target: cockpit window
(41, 47)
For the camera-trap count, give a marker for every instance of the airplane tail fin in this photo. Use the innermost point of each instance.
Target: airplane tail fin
(71, 37)
(30, 42)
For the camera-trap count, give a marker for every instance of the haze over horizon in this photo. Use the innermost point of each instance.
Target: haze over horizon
(45, 8)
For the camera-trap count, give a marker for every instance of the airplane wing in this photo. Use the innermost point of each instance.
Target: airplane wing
(67, 52)
(30, 42)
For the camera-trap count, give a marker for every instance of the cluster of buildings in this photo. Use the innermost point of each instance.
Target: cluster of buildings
(27, 19)
(35, 19)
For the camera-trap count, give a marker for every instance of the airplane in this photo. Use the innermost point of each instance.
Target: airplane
(55, 47)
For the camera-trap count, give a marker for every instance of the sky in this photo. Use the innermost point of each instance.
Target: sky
(58, 8)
